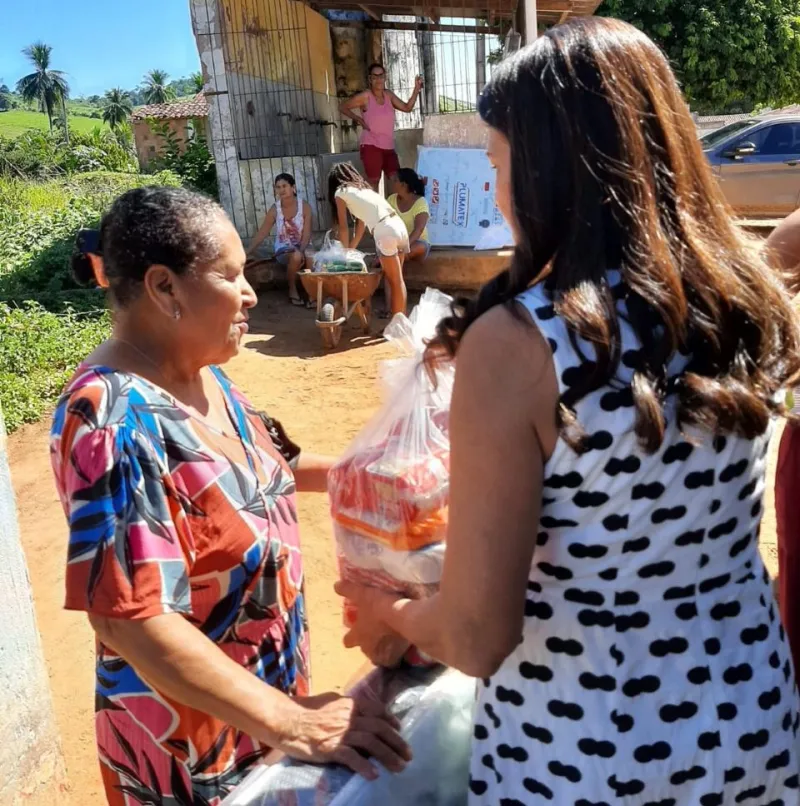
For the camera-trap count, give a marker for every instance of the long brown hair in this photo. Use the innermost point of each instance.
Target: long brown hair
(608, 174)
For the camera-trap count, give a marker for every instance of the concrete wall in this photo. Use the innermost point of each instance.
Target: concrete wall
(31, 765)
(458, 130)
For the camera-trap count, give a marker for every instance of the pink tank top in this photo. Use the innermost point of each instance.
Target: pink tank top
(380, 119)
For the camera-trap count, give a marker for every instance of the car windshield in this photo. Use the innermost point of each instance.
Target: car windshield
(719, 135)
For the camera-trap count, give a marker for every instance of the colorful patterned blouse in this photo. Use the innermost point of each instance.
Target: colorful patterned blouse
(168, 515)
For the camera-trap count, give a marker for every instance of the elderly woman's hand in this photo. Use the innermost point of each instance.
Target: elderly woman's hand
(336, 729)
(377, 641)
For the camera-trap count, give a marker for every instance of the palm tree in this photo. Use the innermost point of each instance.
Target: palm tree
(117, 107)
(47, 87)
(198, 82)
(155, 87)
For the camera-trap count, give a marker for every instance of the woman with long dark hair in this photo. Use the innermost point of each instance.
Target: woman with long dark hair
(612, 408)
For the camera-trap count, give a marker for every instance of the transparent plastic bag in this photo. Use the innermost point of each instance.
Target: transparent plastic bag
(435, 708)
(333, 257)
(389, 492)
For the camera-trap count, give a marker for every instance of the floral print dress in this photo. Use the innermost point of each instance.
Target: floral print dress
(168, 515)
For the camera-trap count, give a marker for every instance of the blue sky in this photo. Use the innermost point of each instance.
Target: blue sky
(99, 43)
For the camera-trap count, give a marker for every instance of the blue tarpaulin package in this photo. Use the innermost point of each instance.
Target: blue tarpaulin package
(435, 707)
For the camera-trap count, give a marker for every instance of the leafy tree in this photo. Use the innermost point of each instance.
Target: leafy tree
(156, 90)
(117, 107)
(47, 87)
(198, 82)
(734, 54)
(5, 97)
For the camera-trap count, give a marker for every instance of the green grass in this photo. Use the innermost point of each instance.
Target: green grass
(18, 121)
(47, 324)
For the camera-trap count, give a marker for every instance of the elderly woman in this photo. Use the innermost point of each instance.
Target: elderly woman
(183, 549)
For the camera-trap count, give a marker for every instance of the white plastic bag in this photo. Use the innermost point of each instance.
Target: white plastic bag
(333, 257)
(435, 708)
(389, 492)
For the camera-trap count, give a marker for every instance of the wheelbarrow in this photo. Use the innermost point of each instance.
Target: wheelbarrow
(340, 296)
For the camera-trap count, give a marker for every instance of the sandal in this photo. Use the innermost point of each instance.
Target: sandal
(297, 302)
(384, 315)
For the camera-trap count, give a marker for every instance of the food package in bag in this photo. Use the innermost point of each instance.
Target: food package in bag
(389, 492)
(333, 257)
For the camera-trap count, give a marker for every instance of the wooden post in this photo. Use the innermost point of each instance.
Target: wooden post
(531, 22)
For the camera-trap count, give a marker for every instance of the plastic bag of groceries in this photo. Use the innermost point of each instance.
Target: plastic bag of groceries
(435, 709)
(333, 257)
(389, 492)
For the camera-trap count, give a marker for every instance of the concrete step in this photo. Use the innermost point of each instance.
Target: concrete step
(462, 270)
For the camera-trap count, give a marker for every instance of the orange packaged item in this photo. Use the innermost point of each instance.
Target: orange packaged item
(389, 492)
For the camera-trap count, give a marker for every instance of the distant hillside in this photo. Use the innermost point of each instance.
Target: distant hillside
(15, 122)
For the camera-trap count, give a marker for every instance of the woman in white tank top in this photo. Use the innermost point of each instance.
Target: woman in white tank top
(292, 218)
(614, 396)
(349, 192)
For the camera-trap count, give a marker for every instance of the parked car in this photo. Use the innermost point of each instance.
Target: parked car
(757, 163)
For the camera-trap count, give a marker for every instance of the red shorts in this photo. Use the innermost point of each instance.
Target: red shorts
(377, 161)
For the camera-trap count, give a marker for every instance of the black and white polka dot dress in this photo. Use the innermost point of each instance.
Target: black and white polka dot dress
(653, 669)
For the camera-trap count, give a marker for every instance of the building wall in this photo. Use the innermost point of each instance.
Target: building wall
(31, 764)
(246, 166)
(281, 83)
(149, 143)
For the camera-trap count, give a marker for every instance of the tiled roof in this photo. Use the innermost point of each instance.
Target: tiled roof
(196, 107)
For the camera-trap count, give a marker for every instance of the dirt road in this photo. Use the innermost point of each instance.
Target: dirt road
(322, 400)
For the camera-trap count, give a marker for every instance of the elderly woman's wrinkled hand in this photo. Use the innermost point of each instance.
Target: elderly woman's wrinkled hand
(342, 730)
(375, 638)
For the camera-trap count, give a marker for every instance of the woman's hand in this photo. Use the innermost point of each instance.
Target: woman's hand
(373, 637)
(336, 729)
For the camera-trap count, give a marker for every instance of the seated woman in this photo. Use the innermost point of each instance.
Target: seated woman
(409, 201)
(293, 234)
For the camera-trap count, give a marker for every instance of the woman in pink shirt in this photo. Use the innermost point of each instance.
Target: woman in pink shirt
(374, 110)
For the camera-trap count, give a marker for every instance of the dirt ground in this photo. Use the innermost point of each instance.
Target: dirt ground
(322, 399)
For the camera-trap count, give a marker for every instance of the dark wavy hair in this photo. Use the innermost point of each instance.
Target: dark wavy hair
(173, 227)
(410, 178)
(607, 173)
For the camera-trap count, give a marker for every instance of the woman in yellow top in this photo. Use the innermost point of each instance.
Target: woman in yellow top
(409, 202)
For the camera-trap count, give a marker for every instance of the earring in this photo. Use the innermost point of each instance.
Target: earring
(176, 313)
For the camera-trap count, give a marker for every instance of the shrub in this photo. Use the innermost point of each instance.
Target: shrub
(48, 324)
(192, 161)
(42, 155)
(38, 222)
(39, 350)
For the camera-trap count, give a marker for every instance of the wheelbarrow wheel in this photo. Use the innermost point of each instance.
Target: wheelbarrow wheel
(330, 336)
(327, 312)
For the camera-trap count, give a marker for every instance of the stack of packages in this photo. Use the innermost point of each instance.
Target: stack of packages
(389, 493)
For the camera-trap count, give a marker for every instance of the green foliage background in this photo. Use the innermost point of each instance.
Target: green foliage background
(47, 323)
(730, 55)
